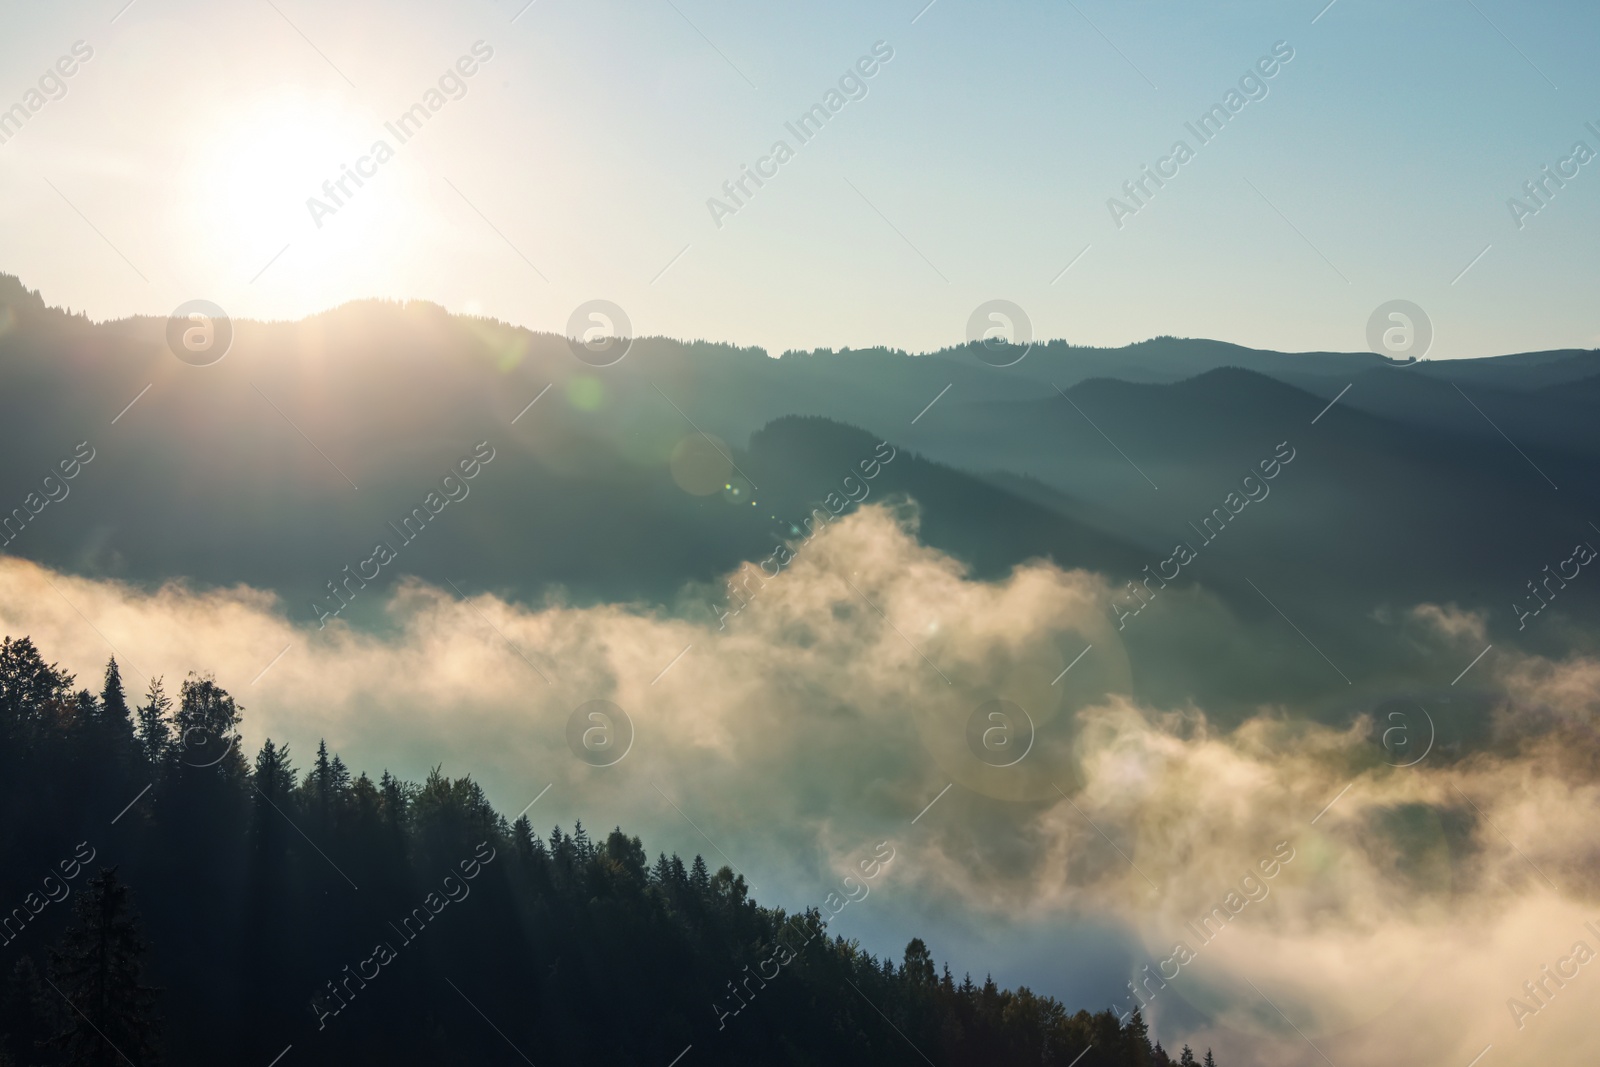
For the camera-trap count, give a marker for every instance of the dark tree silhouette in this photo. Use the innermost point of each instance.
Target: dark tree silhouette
(155, 724)
(267, 892)
(208, 726)
(98, 970)
(113, 702)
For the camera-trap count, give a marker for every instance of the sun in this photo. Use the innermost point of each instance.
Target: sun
(274, 154)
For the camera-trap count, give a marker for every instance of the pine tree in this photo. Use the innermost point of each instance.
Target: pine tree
(274, 774)
(339, 780)
(699, 877)
(1138, 1038)
(522, 837)
(155, 733)
(97, 969)
(321, 775)
(1186, 1057)
(318, 786)
(989, 998)
(1209, 1061)
(392, 801)
(113, 702)
(362, 799)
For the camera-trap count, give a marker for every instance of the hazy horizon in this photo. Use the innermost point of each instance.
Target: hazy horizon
(952, 344)
(856, 241)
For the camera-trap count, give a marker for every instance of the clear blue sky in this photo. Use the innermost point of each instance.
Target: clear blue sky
(978, 165)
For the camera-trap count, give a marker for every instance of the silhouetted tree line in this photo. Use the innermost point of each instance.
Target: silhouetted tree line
(166, 900)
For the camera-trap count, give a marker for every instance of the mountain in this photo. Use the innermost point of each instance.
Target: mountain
(664, 471)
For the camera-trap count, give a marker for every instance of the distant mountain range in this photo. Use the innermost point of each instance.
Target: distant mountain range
(1433, 482)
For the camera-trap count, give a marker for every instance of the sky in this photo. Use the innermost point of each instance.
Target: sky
(976, 162)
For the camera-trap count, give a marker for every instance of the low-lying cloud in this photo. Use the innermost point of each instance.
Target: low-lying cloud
(1417, 902)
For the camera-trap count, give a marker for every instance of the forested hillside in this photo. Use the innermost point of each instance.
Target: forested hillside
(169, 899)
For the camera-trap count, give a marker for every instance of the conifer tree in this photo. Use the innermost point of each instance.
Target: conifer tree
(98, 968)
(522, 837)
(392, 801)
(339, 780)
(274, 774)
(271, 798)
(1138, 1038)
(113, 702)
(318, 787)
(362, 798)
(321, 771)
(155, 732)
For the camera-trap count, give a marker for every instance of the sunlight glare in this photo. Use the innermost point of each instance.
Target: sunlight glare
(252, 186)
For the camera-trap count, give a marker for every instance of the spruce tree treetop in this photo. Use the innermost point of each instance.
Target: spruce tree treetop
(155, 732)
(699, 877)
(274, 774)
(113, 701)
